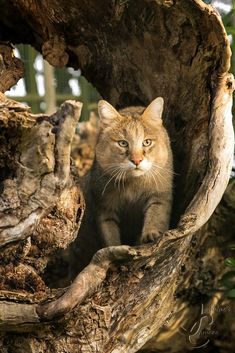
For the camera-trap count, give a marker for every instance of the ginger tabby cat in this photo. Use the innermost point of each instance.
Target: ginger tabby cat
(128, 190)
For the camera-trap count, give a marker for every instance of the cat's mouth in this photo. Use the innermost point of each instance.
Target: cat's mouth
(138, 172)
(141, 169)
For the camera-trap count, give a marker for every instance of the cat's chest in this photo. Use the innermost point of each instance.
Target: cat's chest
(126, 198)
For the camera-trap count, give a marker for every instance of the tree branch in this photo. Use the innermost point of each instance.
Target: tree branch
(42, 173)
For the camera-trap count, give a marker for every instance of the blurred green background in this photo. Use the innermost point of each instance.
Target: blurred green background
(44, 88)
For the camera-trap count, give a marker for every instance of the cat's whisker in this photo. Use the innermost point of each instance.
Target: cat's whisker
(118, 179)
(102, 176)
(108, 171)
(163, 171)
(147, 178)
(159, 176)
(115, 173)
(164, 168)
(121, 177)
(155, 181)
(124, 179)
(160, 179)
(109, 165)
(114, 166)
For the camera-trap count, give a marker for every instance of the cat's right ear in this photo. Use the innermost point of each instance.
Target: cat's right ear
(154, 110)
(107, 113)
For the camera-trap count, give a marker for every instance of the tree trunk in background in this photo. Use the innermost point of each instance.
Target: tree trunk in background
(49, 85)
(128, 299)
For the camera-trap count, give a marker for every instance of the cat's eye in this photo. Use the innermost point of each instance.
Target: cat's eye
(147, 143)
(123, 143)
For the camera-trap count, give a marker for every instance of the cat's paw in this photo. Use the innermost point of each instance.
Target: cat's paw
(150, 237)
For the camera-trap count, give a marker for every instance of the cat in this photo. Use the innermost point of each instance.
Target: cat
(128, 191)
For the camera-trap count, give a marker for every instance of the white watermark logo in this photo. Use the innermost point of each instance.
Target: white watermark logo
(199, 330)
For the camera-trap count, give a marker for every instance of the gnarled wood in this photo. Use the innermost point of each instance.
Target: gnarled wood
(11, 68)
(41, 204)
(131, 51)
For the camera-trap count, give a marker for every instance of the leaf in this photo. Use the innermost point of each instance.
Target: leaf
(230, 293)
(227, 19)
(230, 30)
(228, 279)
(231, 245)
(230, 262)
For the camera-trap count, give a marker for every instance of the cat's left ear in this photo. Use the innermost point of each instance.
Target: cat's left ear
(107, 113)
(154, 109)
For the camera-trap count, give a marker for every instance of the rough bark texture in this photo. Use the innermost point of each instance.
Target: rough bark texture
(126, 299)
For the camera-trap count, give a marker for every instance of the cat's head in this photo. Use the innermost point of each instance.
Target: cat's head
(133, 141)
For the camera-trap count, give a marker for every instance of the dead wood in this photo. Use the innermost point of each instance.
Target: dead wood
(11, 68)
(126, 299)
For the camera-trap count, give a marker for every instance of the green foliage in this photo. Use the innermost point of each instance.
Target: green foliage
(229, 23)
(228, 279)
(230, 293)
(231, 245)
(228, 19)
(230, 30)
(230, 262)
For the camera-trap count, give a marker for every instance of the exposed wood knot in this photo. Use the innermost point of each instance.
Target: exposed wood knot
(14, 106)
(187, 221)
(11, 68)
(43, 176)
(167, 3)
(230, 83)
(54, 51)
(83, 55)
(119, 9)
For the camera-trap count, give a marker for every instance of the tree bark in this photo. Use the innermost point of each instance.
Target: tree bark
(127, 299)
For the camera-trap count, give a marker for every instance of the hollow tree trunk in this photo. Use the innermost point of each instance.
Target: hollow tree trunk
(127, 299)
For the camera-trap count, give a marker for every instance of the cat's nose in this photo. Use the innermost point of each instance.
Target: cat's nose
(136, 160)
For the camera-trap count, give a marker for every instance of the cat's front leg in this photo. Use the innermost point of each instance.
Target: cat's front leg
(156, 218)
(108, 223)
